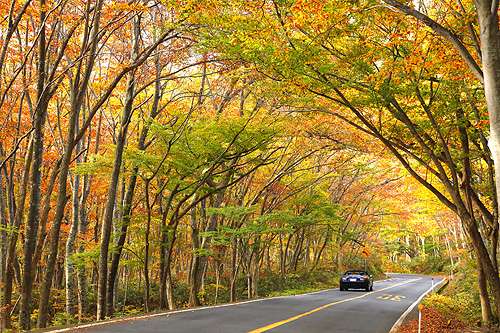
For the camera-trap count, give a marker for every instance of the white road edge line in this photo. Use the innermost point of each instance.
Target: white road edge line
(118, 320)
(113, 321)
(412, 306)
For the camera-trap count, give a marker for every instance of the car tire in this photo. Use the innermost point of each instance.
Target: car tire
(367, 288)
(371, 288)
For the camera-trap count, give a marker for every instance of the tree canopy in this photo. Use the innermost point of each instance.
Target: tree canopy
(165, 154)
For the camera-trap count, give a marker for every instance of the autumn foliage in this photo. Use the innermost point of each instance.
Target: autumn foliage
(164, 154)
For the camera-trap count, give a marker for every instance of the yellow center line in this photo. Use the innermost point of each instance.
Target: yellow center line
(279, 323)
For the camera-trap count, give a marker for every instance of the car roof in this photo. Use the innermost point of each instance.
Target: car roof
(356, 272)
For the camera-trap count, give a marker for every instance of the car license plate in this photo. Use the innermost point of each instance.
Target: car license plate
(352, 280)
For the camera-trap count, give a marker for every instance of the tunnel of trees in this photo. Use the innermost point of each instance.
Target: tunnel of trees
(165, 154)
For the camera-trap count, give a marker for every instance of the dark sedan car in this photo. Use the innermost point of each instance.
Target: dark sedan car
(356, 280)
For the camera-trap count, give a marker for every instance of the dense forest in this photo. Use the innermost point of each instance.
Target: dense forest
(164, 154)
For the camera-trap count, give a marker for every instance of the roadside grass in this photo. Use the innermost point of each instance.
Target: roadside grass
(292, 292)
(299, 283)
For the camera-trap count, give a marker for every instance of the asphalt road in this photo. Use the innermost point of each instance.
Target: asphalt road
(325, 311)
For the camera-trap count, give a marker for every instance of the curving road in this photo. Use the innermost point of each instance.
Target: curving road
(324, 311)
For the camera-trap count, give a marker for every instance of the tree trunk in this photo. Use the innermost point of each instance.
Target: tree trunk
(3, 244)
(70, 281)
(32, 222)
(104, 307)
(486, 314)
(194, 271)
(5, 321)
(489, 34)
(491, 275)
(79, 89)
(125, 221)
(129, 194)
(81, 271)
(71, 294)
(82, 230)
(164, 254)
(146, 248)
(234, 270)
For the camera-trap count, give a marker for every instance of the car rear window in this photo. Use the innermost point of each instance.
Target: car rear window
(355, 273)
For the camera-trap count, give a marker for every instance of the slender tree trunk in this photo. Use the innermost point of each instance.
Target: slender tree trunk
(82, 230)
(70, 281)
(282, 257)
(104, 307)
(3, 243)
(11, 248)
(165, 297)
(32, 222)
(146, 247)
(320, 252)
(234, 270)
(45, 215)
(81, 274)
(170, 290)
(79, 89)
(256, 270)
(194, 271)
(486, 313)
(129, 193)
(127, 211)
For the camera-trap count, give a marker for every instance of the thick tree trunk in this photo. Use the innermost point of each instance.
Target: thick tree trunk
(481, 252)
(489, 34)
